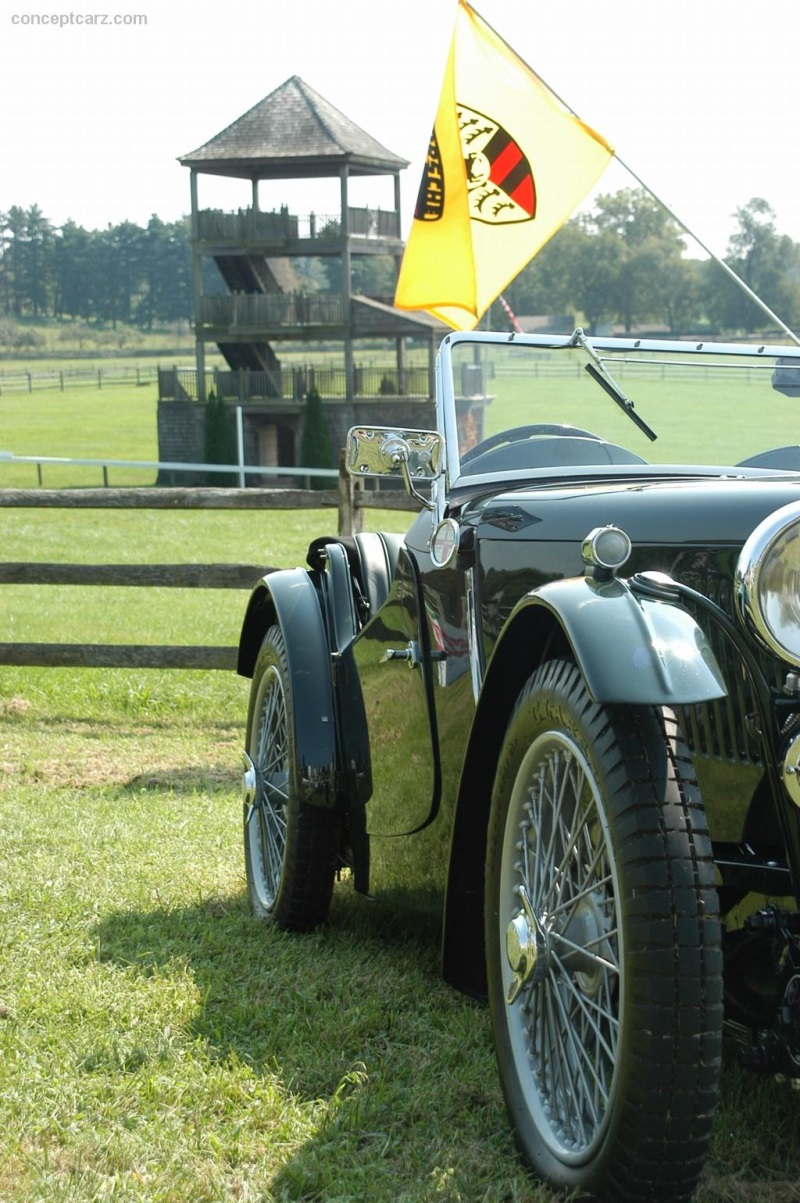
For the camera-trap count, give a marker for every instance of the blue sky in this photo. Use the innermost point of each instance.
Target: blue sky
(699, 98)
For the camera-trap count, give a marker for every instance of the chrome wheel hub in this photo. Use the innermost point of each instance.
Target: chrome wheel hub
(249, 785)
(526, 948)
(586, 932)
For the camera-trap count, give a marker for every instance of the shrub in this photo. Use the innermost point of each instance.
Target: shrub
(219, 440)
(315, 445)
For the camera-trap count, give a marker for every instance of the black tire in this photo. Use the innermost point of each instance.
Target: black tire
(290, 847)
(600, 894)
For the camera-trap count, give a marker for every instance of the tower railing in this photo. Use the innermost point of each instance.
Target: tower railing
(246, 227)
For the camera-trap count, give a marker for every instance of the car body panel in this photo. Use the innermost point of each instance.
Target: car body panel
(406, 701)
(395, 671)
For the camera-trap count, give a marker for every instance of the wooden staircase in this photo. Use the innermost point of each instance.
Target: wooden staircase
(251, 273)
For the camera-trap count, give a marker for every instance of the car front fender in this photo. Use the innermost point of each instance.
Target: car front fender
(290, 599)
(631, 648)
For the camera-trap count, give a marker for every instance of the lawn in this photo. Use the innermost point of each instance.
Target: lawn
(157, 1044)
(80, 423)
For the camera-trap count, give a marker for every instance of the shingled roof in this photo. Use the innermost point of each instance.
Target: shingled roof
(294, 132)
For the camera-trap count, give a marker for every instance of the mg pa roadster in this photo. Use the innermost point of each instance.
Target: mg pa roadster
(564, 712)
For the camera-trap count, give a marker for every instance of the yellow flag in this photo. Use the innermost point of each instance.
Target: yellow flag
(506, 166)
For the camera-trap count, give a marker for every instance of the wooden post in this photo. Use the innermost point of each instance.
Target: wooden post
(400, 349)
(347, 298)
(197, 291)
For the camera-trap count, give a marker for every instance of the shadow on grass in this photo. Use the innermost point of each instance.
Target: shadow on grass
(192, 779)
(127, 727)
(356, 1023)
(274, 999)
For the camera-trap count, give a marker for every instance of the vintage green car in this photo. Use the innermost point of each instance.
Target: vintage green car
(564, 711)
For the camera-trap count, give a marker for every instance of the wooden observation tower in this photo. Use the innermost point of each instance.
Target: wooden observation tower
(294, 134)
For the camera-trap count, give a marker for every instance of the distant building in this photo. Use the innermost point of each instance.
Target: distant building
(293, 134)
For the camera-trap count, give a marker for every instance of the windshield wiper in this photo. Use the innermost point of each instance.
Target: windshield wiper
(599, 372)
(616, 394)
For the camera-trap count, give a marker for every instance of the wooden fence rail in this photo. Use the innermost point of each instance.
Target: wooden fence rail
(349, 500)
(174, 499)
(28, 382)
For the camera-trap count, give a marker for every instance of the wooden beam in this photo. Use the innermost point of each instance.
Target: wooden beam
(163, 576)
(171, 499)
(112, 655)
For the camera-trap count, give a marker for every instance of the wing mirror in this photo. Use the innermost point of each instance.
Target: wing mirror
(413, 455)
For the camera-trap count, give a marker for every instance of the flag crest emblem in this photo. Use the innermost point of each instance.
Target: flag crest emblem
(500, 184)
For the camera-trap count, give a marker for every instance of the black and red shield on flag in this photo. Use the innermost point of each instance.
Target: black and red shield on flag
(500, 181)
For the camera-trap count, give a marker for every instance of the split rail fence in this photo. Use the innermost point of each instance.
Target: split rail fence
(349, 500)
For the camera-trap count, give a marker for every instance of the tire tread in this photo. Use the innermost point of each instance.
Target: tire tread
(312, 832)
(657, 1144)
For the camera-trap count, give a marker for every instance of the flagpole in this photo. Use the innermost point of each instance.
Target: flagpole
(720, 262)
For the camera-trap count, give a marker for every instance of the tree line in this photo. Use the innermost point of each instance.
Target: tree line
(136, 275)
(622, 264)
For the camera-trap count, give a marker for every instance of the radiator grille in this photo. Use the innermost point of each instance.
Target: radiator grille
(720, 730)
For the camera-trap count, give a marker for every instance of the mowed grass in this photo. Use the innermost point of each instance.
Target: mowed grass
(117, 422)
(158, 1044)
(699, 416)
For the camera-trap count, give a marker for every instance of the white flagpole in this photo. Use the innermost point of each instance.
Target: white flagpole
(721, 262)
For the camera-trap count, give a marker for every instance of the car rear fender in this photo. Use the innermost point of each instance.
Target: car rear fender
(354, 775)
(290, 599)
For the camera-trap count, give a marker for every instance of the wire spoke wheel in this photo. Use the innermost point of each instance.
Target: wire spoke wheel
(561, 904)
(291, 847)
(266, 821)
(603, 954)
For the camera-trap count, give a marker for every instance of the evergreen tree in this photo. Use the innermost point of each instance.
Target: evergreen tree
(315, 445)
(219, 441)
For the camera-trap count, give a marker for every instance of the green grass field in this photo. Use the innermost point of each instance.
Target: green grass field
(157, 1045)
(701, 414)
(80, 423)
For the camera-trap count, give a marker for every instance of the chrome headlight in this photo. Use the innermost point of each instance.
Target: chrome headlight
(606, 547)
(768, 582)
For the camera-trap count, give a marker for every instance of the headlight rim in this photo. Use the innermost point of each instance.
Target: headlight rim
(752, 560)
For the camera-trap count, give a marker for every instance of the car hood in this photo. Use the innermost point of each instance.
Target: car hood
(721, 510)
